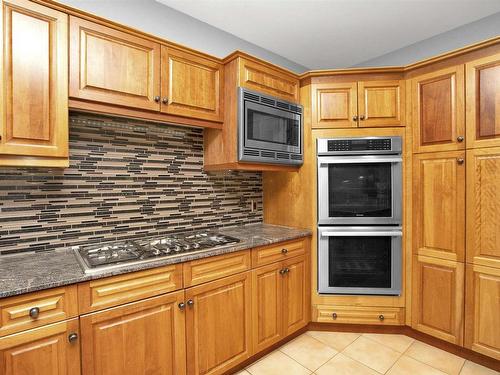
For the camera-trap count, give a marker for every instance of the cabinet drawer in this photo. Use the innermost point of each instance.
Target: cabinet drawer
(213, 268)
(276, 252)
(117, 290)
(36, 309)
(359, 315)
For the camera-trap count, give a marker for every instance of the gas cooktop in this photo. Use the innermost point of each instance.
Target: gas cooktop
(101, 257)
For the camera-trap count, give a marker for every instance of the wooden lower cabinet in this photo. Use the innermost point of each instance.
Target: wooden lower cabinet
(218, 316)
(145, 337)
(295, 295)
(482, 310)
(359, 315)
(438, 298)
(42, 351)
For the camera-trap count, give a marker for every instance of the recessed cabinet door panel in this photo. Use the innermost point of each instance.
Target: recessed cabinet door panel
(438, 110)
(483, 102)
(34, 118)
(381, 103)
(438, 298)
(145, 337)
(439, 205)
(482, 306)
(483, 206)
(218, 324)
(334, 105)
(113, 67)
(191, 85)
(295, 296)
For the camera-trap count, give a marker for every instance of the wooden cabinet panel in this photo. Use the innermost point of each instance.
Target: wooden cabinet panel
(438, 110)
(276, 252)
(145, 337)
(113, 67)
(334, 105)
(218, 324)
(113, 291)
(439, 204)
(32, 310)
(359, 315)
(438, 298)
(259, 77)
(34, 109)
(267, 306)
(483, 206)
(381, 103)
(41, 351)
(191, 85)
(295, 295)
(483, 102)
(482, 306)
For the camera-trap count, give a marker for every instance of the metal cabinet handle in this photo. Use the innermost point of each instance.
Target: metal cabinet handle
(190, 302)
(460, 161)
(460, 138)
(381, 317)
(362, 117)
(334, 315)
(72, 337)
(283, 271)
(165, 100)
(284, 250)
(34, 312)
(354, 118)
(157, 99)
(287, 270)
(181, 305)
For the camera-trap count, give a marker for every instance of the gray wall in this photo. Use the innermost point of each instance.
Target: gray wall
(162, 21)
(470, 33)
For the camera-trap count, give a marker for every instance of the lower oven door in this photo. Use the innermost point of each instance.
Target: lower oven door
(359, 260)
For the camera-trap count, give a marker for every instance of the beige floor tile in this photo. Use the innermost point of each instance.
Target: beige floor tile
(342, 365)
(337, 340)
(370, 353)
(471, 368)
(397, 342)
(408, 366)
(277, 363)
(308, 351)
(437, 358)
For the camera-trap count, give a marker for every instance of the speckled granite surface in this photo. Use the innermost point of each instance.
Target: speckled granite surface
(37, 271)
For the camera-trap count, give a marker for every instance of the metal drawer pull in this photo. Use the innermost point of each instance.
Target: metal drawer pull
(190, 302)
(334, 315)
(282, 271)
(381, 317)
(73, 337)
(181, 305)
(460, 138)
(157, 99)
(284, 250)
(34, 312)
(460, 161)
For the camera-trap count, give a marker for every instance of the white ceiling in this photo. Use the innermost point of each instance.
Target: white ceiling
(321, 34)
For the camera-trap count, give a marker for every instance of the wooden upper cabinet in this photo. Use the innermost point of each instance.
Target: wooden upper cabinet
(145, 337)
(381, 103)
(191, 85)
(42, 351)
(483, 102)
(483, 206)
(439, 205)
(334, 105)
(438, 110)
(218, 318)
(268, 80)
(114, 67)
(482, 306)
(34, 109)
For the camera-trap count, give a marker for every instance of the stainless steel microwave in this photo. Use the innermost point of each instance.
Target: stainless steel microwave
(269, 129)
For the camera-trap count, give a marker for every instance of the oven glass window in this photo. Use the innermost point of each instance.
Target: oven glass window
(266, 127)
(360, 190)
(359, 262)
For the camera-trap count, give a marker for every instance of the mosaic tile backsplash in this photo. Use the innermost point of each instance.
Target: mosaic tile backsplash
(126, 179)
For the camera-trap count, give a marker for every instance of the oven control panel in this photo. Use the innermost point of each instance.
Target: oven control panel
(365, 145)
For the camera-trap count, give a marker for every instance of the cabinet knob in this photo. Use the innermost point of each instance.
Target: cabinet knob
(34, 312)
(181, 305)
(165, 100)
(287, 270)
(334, 315)
(460, 138)
(72, 337)
(381, 317)
(460, 161)
(282, 271)
(190, 302)
(157, 99)
(362, 117)
(284, 251)
(354, 118)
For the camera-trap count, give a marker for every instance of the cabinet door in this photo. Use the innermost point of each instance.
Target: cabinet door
(113, 67)
(482, 307)
(381, 103)
(438, 110)
(483, 206)
(145, 337)
(438, 298)
(34, 109)
(483, 102)
(42, 351)
(191, 86)
(295, 295)
(218, 330)
(439, 205)
(334, 105)
(267, 306)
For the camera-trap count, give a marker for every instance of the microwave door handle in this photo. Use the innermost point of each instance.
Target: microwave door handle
(362, 234)
(350, 160)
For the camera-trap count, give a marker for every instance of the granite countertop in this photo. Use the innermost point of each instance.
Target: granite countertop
(37, 271)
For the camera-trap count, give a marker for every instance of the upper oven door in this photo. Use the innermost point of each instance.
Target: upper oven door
(359, 190)
(269, 128)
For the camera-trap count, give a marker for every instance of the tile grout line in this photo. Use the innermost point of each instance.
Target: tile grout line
(428, 364)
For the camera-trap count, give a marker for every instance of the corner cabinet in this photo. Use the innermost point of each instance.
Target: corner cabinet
(34, 67)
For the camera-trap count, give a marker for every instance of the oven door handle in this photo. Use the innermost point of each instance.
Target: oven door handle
(395, 233)
(323, 161)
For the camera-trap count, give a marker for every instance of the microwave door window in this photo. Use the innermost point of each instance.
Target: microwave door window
(266, 127)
